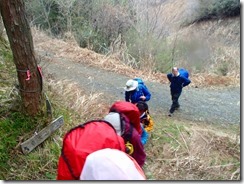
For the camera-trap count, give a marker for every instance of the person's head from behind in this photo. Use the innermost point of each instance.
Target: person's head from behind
(142, 106)
(129, 111)
(175, 71)
(111, 164)
(118, 121)
(131, 85)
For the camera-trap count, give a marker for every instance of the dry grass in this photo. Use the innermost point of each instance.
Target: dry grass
(68, 100)
(179, 151)
(70, 50)
(174, 18)
(70, 95)
(55, 48)
(222, 40)
(220, 37)
(176, 150)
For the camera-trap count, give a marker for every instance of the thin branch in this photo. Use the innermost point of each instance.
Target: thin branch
(172, 137)
(183, 140)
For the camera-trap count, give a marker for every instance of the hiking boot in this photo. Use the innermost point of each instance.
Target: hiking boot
(170, 114)
(176, 108)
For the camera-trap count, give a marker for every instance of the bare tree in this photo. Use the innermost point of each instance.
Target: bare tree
(149, 17)
(66, 7)
(21, 43)
(46, 11)
(148, 27)
(38, 12)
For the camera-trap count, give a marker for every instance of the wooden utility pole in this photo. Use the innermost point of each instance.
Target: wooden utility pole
(21, 43)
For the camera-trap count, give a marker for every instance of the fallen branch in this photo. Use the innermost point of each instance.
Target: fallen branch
(171, 137)
(203, 137)
(183, 140)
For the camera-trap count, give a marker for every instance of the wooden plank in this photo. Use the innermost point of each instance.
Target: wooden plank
(38, 138)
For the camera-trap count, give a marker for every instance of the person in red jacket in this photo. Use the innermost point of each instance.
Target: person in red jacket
(132, 138)
(81, 141)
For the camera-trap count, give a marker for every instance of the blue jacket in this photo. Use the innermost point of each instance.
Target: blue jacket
(134, 96)
(144, 136)
(177, 82)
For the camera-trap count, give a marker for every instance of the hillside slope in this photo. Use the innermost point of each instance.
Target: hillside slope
(210, 97)
(62, 60)
(211, 43)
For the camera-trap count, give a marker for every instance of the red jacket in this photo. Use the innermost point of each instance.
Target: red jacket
(82, 140)
(130, 110)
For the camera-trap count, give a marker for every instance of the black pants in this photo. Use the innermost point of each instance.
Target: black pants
(175, 103)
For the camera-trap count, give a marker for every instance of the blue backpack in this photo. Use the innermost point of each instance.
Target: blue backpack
(143, 88)
(139, 80)
(184, 72)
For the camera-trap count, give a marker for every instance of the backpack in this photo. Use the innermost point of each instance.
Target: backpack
(184, 72)
(82, 140)
(130, 111)
(145, 118)
(140, 82)
(129, 148)
(147, 122)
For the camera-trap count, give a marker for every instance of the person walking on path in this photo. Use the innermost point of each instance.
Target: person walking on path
(136, 90)
(178, 80)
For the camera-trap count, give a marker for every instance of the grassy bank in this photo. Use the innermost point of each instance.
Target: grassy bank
(176, 150)
(180, 150)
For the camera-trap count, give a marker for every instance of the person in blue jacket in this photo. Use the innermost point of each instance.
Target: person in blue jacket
(177, 82)
(144, 135)
(135, 91)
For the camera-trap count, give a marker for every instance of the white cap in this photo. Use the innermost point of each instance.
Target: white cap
(131, 85)
(111, 164)
(114, 119)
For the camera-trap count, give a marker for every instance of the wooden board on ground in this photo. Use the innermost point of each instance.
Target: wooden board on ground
(38, 138)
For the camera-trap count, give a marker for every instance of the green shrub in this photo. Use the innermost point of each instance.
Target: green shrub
(223, 69)
(47, 15)
(218, 9)
(12, 127)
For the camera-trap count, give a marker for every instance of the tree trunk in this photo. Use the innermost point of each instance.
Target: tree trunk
(20, 38)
